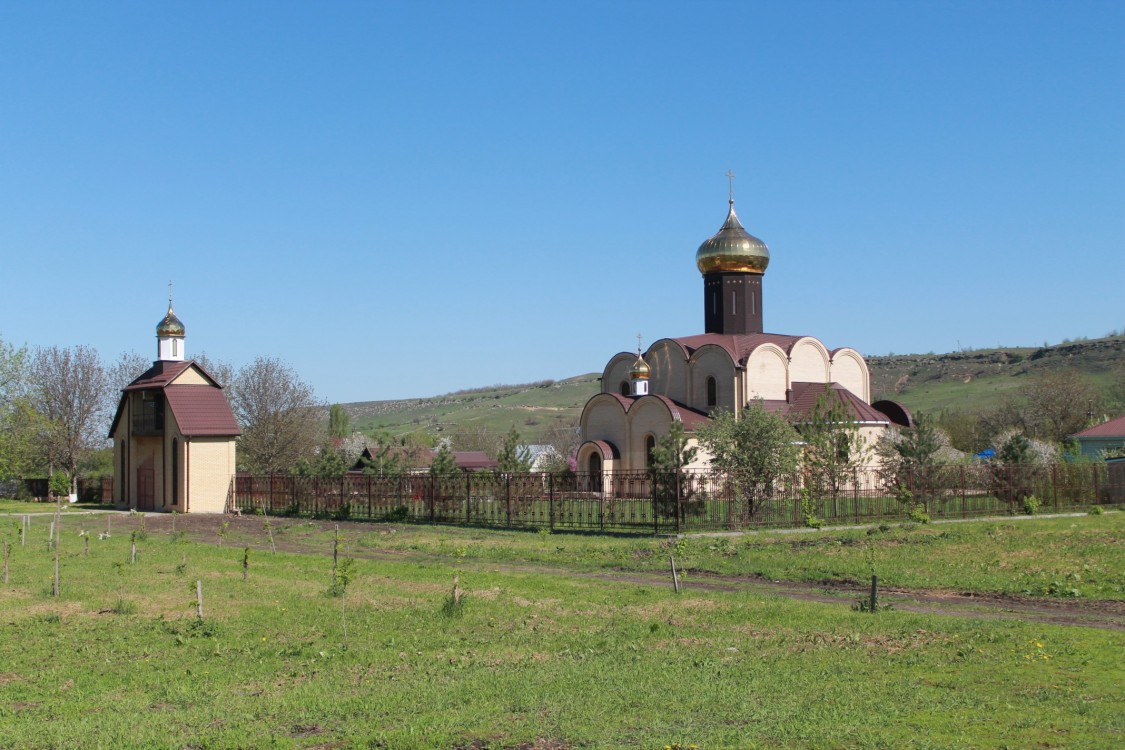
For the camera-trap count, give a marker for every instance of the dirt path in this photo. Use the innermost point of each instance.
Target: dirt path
(1104, 614)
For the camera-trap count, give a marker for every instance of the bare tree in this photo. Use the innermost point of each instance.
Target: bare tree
(125, 370)
(70, 388)
(216, 368)
(282, 422)
(1060, 403)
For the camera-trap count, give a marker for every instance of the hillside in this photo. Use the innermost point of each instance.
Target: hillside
(969, 381)
(972, 381)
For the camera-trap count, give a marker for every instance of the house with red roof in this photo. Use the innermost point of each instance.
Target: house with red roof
(173, 434)
(732, 366)
(1095, 441)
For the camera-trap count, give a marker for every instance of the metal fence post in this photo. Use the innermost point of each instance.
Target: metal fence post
(468, 498)
(551, 500)
(679, 505)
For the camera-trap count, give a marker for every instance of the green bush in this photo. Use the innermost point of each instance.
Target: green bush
(1031, 505)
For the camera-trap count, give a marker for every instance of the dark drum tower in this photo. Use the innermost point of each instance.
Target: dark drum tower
(732, 262)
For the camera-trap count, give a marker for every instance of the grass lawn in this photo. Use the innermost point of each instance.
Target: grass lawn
(536, 659)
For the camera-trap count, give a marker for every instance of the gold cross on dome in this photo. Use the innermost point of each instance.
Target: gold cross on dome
(638, 344)
(730, 177)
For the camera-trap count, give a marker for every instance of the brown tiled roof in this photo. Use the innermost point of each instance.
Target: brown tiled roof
(1112, 428)
(201, 410)
(608, 449)
(739, 346)
(690, 418)
(159, 375)
(804, 396)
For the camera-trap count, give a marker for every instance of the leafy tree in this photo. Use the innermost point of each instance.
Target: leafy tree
(386, 457)
(328, 462)
(13, 374)
(756, 452)
(834, 447)
(339, 423)
(512, 457)
(910, 461)
(444, 463)
(279, 414)
(670, 455)
(23, 434)
(70, 389)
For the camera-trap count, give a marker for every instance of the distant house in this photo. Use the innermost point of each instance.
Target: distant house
(1095, 441)
(466, 461)
(173, 434)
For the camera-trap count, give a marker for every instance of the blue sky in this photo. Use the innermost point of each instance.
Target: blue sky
(403, 199)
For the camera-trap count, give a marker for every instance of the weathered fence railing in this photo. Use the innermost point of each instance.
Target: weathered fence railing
(669, 502)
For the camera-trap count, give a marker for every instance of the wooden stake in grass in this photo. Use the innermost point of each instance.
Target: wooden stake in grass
(335, 549)
(199, 599)
(675, 577)
(23, 531)
(7, 549)
(57, 526)
(269, 530)
(874, 594)
(108, 525)
(245, 563)
(51, 537)
(133, 548)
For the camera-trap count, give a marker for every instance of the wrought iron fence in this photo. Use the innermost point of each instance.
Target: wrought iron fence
(670, 502)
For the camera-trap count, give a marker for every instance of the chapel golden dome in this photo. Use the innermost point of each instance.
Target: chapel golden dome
(640, 370)
(170, 325)
(732, 249)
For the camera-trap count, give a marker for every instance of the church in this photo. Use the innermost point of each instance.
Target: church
(173, 434)
(733, 365)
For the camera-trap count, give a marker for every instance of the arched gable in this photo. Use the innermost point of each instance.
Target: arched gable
(603, 418)
(670, 374)
(649, 415)
(767, 374)
(711, 361)
(849, 370)
(808, 361)
(617, 371)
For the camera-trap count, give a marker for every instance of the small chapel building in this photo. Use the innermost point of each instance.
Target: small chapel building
(733, 365)
(173, 434)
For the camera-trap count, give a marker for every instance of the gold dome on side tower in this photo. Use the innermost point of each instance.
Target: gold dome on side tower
(170, 325)
(640, 370)
(732, 249)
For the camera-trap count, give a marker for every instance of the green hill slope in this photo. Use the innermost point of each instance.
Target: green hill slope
(971, 382)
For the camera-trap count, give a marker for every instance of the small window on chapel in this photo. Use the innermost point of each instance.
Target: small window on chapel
(712, 392)
(624, 387)
(650, 446)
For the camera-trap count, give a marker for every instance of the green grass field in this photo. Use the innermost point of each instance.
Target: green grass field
(539, 655)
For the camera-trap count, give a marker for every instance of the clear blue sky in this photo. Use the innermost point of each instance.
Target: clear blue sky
(403, 199)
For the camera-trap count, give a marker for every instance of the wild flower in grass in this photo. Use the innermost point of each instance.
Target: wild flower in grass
(1036, 652)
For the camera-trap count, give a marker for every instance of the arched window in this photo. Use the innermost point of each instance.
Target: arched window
(175, 471)
(624, 387)
(712, 392)
(650, 446)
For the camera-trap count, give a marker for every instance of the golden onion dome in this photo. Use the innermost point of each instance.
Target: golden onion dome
(171, 325)
(640, 370)
(732, 249)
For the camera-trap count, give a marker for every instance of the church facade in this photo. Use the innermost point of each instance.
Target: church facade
(733, 365)
(173, 434)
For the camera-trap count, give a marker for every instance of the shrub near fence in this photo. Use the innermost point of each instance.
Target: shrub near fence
(624, 501)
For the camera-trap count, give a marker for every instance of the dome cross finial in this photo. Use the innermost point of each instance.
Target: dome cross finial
(638, 345)
(169, 294)
(730, 178)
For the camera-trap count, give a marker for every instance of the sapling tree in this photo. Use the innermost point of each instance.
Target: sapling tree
(670, 486)
(834, 448)
(756, 452)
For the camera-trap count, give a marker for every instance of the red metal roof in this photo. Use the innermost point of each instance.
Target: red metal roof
(804, 397)
(201, 410)
(739, 346)
(1111, 429)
